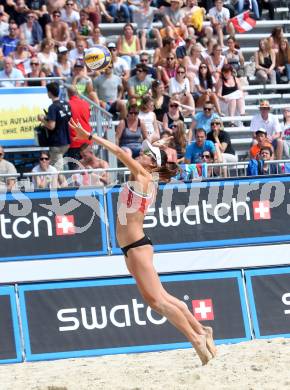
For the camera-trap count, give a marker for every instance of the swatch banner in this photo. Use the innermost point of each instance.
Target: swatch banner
(52, 224)
(269, 297)
(214, 214)
(109, 316)
(10, 347)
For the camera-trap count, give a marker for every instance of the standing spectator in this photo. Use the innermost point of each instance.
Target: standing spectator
(130, 132)
(265, 62)
(45, 181)
(140, 84)
(203, 119)
(222, 141)
(9, 42)
(283, 62)
(80, 111)
(10, 72)
(120, 66)
(219, 17)
(194, 151)
(31, 30)
(230, 93)
(56, 122)
(270, 123)
(143, 16)
(6, 167)
(57, 30)
(128, 46)
(109, 89)
(262, 140)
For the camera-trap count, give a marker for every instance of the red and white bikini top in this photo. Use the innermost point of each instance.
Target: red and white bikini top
(134, 200)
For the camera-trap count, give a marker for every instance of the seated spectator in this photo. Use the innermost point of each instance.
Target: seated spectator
(21, 57)
(168, 71)
(69, 14)
(275, 38)
(179, 85)
(174, 26)
(192, 62)
(47, 56)
(204, 92)
(120, 66)
(31, 30)
(35, 72)
(193, 18)
(6, 167)
(234, 56)
(40, 10)
(161, 53)
(9, 42)
(244, 5)
(177, 130)
(182, 50)
(97, 38)
(90, 161)
(208, 158)
(128, 46)
(194, 150)
(144, 59)
(160, 100)
(271, 124)
(83, 28)
(79, 51)
(262, 140)
(269, 5)
(166, 143)
(265, 62)
(230, 93)
(131, 132)
(4, 26)
(172, 115)
(286, 132)
(202, 120)
(45, 181)
(216, 61)
(119, 11)
(109, 89)
(139, 85)
(143, 16)
(283, 62)
(63, 66)
(57, 31)
(219, 17)
(10, 72)
(260, 166)
(148, 117)
(222, 141)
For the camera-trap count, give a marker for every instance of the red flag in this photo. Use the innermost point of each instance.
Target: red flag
(243, 22)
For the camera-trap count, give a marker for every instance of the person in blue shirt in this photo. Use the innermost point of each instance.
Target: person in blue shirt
(194, 151)
(202, 120)
(9, 42)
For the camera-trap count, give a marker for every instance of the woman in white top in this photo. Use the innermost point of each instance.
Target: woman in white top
(148, 117)
(45, 181)
(192, 62)
(47, 55)
(179, 85)
(216, 61)
(63, 66)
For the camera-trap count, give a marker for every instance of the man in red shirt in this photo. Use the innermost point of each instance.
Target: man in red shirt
(80, 111)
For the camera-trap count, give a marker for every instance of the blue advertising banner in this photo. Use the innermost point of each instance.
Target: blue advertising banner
(50, 224)
(109, 316)
(10, 345)
(214, 214)
(269, 299)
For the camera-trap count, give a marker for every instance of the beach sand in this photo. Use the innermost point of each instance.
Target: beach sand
(253, 365)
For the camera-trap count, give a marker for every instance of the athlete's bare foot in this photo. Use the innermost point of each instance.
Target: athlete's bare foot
(209, 341)
(201, 350)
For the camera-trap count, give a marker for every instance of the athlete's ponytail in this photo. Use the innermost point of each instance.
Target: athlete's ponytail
(167, 169)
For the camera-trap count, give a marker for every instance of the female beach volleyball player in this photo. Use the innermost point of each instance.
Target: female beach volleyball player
(134, 200)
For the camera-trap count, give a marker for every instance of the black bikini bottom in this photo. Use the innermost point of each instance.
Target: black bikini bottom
(143, 241)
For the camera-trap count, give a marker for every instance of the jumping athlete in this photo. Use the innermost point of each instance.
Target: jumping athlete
(134, 200)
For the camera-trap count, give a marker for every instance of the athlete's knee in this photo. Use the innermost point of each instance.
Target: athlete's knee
(156, 302)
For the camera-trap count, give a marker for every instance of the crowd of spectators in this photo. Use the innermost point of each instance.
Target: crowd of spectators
(194, 73)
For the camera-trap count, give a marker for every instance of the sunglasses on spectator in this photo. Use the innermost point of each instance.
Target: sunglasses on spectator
(44, 159)
(205, 156)
(56, 15)
(133, 112)
(34, 63)
(144, 60)
(203, 67)
(139, 70)
(215, 123)
(207, 108)
(179, 72)
(70, 4)
(173, 105)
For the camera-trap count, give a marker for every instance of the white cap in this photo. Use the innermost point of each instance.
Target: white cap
(156, 154)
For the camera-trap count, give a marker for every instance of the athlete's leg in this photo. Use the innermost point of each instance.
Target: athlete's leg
(140, 265)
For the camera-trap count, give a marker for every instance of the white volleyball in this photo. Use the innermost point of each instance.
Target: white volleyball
(97, 57)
